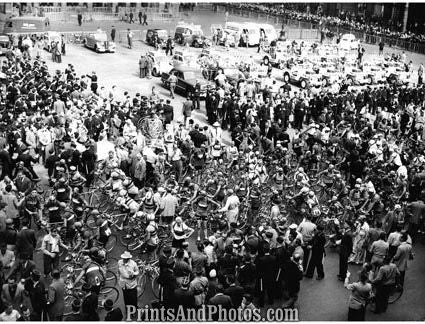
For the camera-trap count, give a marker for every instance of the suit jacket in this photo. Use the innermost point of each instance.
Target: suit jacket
(37, 294)
(404, 251)
(220, 299)
(267, 268)
(184, 298)
(56, 298)
(17, 300)
(236, 294)
(114, 315)
(89, 306)
(23, 270)
(25, 242)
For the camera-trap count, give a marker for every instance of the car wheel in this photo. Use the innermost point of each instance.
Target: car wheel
(96, 49)
(286, 77)
(155, 72)
(266, 60)
(303, 84)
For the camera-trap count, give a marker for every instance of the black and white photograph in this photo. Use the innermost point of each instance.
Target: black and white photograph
(212, 162)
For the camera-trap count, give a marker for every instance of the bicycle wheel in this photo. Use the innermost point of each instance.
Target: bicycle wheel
(112, 242)
(141, 285)
(112, 264)
(395, 294)
(110, 278)
(125, 239)
(136, 244)
(155, 287)
(108, 293)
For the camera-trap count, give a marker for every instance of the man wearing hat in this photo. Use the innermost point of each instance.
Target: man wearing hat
(183, 296)
(113, 314)
(56, 295)
(75, 315)
(37, 294)
(128, 272)
(199, 286)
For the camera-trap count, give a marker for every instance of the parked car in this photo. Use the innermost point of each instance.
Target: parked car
(161, 63)
(185, 58)
(190, 34)
(349, 42)
(5, 44)
(187, 77)
(160, 34)
(49, 38)
(26, 25)
(99, 42)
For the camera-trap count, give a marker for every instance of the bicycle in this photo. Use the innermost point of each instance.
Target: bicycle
(148, 271)
(73, 292)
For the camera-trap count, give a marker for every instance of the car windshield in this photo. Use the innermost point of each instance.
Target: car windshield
(197, 32)
(101, 37)
(162, 33)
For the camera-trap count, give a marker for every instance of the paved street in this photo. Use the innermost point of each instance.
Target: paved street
(319, 300)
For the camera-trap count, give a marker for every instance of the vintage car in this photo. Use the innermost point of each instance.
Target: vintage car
(99, 42)
(161, 63)
(190, 34)
(51, 37)
(349, 42)
(5, 44)
(185, 58)
(186, 80)
(160, 34)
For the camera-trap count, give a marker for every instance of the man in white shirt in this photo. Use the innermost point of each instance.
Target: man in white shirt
(232, 207)
(9, 314)
(50, 247)
(128, 272)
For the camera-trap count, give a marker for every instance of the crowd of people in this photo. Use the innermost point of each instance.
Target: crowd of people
(373, 27)
(296, 164)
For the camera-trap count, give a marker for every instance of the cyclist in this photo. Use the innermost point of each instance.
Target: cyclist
(128, 203)
(63, 191)
(115, 182)
(76, 180)
(93, 274)
(201, 205)
(53, 210)
(130, 187)
(78, 204)
(103, 227)
(278, 179)
(188, 190)
(151, 237)
(300, 176)
(262, 171)
(149, 204)
(32, 207)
